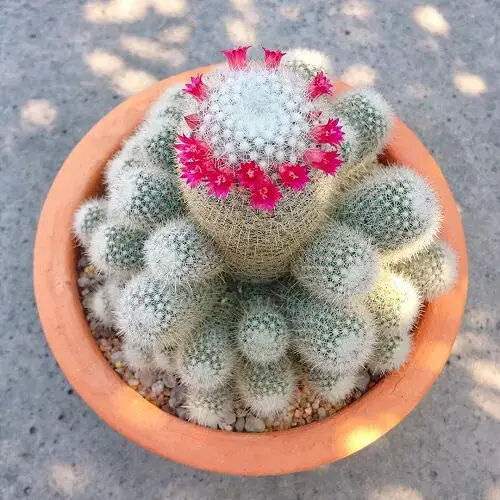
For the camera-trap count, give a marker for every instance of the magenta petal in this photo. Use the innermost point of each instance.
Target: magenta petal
(236, 58)
(272, 58)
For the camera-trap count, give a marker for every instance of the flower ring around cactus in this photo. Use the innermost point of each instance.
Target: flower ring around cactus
(251, 265)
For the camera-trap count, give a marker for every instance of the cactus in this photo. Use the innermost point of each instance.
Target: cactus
(170, 106)
(143, 199)
(205, 362)
(164, 358)
(370, 117)
(88, 218)
(209, 408)
(395, 306)
(306, 61)
(103, 301)
(262, 334)
(138, 358)
(339, 264)
(157, 137)
(154, 313)
(116, 249)
(178, 253)
(255, 140)
(394, 207)
(334, 338)
(266, 389)
(433, 270)
(333, 389)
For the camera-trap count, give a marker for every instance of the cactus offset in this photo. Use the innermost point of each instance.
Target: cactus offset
(334, 389)
(88, 218)
(209, 408)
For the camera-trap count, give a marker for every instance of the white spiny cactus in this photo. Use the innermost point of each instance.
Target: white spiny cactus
(307, 61)
(179, 253)
(209, 408)
(334, 389)
(138, 358)
(433, 270)
(339, 264)
(103, 302)
(88, 218)
(396, 208)
(336, 338)
(266, 389)
(395, 306)
(144, 198)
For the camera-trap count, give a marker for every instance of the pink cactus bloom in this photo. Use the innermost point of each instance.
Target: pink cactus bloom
(193, 174)
(329, 133)
(327, 161)
(220, 182)
(236, 58)
(250, 175)
(192, 120)
(196, 88)
(294, 176)
(265, 197)
(191, 150)
(272, 58)
(320, 84)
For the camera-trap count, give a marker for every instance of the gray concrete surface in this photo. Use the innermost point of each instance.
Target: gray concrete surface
(63, 65)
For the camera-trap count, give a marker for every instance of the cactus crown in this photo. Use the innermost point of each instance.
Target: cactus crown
(261, 126)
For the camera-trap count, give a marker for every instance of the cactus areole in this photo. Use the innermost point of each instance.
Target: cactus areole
(232, 253)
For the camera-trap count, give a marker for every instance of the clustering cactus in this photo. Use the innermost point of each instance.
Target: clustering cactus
(433, 270)
(333, 388)
(396, 208)
(267, 389)
(395, 306)
(88, 218)
(241, 177)
(178, 253)
(262, 333)
(335, 338)
(340, 264)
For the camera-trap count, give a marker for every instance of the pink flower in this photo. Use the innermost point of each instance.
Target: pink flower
(220, 182)
(327, 161)
(192, 120)
(329, 133)
(294, 176)
(196, 88)
(319, 85)
(250, 175)
(193, 174)
(265, 197)
(236, 58)
(192, 150)
(272, 58)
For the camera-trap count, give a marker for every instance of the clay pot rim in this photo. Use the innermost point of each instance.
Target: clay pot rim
(318, 443)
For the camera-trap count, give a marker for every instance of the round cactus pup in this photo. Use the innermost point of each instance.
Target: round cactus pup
(103, 301)
(433, 270)
(154, 313)
(396, 209)
(339, 264)
(333, 389)
(395, 306)
(90, 215)
(336, 338)
(144, 199)
(307, 62)
(209, 408)
(178, 253)
(170, 106)
(117, 249)
(267, 389)
(164, 358)
(138, 358)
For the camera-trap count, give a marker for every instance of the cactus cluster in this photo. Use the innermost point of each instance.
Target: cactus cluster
(237, 252)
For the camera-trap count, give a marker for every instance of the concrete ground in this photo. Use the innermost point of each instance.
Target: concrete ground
(63, 65)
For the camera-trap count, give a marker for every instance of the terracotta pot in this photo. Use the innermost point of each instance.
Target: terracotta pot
(70, 339)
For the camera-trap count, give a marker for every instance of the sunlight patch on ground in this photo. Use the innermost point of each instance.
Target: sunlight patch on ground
(357, 8)
(127, 81)
(418, 90)
(38, 113)
(359, 75)
(487, 400)
(153, 50)
(247, 10)
(429, 18)
(129, 11)
(395, 491)
(469, 84)
(176, 34)
(290, 12)
(485, 372)
(240, 32)
(65, 480)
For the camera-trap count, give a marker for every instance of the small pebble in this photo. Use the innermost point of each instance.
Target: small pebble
(254, 424)
(230, 419)
(321, 412)
(133, 382)
(157, 387)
